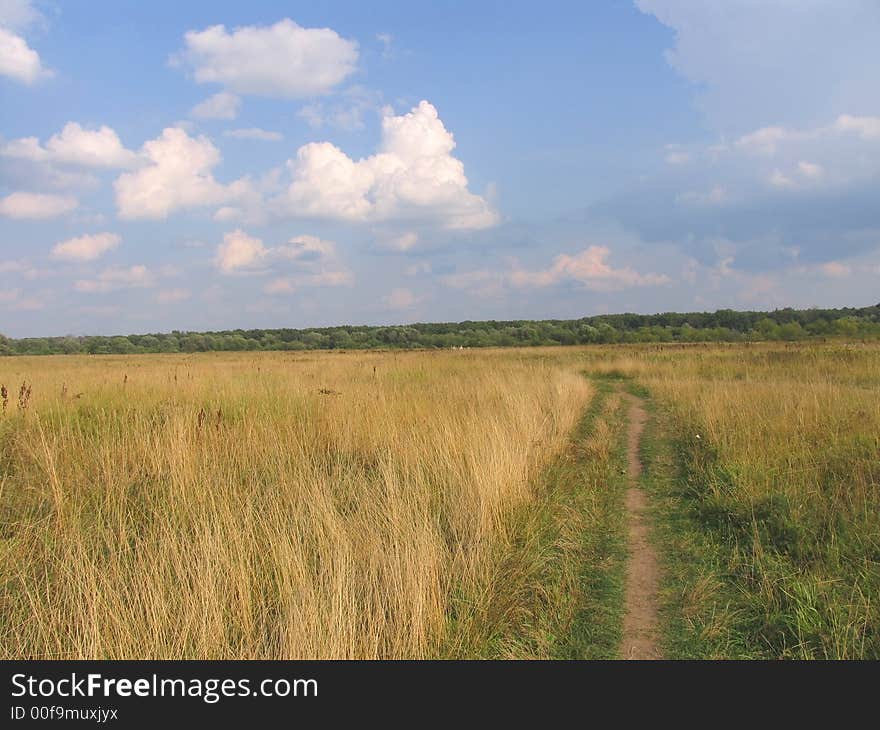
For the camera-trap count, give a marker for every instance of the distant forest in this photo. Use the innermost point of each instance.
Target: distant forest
(725, 325)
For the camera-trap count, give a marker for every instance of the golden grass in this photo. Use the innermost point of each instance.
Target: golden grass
(222, 506)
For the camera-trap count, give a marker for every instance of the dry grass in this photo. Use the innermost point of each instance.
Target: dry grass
(223, 506)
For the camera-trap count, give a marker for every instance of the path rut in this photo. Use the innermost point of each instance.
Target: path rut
(640, 626)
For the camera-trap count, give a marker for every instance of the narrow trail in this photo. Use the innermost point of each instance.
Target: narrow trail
(640, 632)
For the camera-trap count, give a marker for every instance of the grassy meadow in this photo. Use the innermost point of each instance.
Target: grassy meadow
(765, 468)
(443, 503)
(271, 506)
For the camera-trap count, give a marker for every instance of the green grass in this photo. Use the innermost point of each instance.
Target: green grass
(702, 614)
(740, 584)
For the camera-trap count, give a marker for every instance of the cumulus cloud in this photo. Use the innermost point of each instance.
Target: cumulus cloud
(314, 260)
(254, 133)
(178, 176)
(306, 248)
(18, 61)
(36, 206)
(85, 248)
(413, 177)
(240, 251)
(281, 60)
(74, 145)
(115, 278)
(589, 268)
(219, 106)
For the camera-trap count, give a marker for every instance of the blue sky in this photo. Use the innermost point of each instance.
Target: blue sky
(264, 164)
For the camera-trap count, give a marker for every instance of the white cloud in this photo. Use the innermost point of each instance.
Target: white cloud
(178, 176)
(306, 248)
(290, 284)
(769, 140)
(413, 177)
(776, 61)
(810, 169)
(830, 155)
(18, 15)
(386, 40)
(85, 248)
(36, 206)
(835, 269)
(116, 278)
(254, 133)
(865, 127)
(400, 299)
(18, 60)
(314, 258)
(780, 180)
(329, 278)
(590, 268)
(282, 60)
(404, 242)
(764, 141)
(169, 296)
(280, 286)
(240, 251)
(75, 145)
(220, 106)
(800, 174)
(346, 113)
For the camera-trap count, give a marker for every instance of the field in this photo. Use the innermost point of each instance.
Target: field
(766, 475)
(464, 503)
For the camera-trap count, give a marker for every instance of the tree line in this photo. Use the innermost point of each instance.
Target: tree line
(724, 325)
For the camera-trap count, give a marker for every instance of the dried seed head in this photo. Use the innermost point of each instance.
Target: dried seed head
(24, 396)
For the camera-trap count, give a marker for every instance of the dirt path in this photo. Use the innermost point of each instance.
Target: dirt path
(640, 635)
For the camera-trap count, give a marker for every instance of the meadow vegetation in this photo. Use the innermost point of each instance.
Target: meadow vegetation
(765, 463)
(275, 506)
(437, 503)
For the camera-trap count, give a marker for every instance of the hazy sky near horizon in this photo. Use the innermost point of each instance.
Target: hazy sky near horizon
(215, 165)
